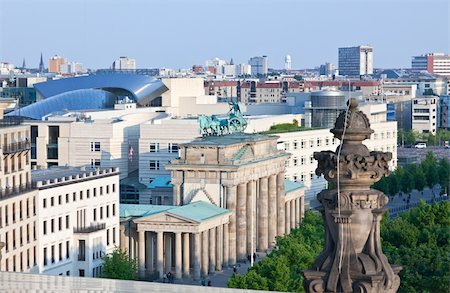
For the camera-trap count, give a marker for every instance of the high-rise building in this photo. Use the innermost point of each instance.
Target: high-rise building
(258, 65)
(288, 62)
(327, 69)
(436, 63)
(356, 61)
(124, 63)
(55, 63)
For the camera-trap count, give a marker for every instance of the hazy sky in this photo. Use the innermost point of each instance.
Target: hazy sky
(180, 33)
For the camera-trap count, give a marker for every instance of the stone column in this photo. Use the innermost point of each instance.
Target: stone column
(292, 204)
(149, 251)
(263, 214)
(178, 255)
(212, 250)
(176, 194)
(231, 205)
(297, 212)
(123, 238)
(205, 253)
(141, 256)
(241, 222)
(159, 253)
(281, 204)
(272, 210)
(288, 217)
(186, 250)
(226, 247)
(302, 207)
(168, 252)
(219, 247)
(250, 222)
(197, 256)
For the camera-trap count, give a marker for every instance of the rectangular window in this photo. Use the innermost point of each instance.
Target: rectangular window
(95, 146)
(95, 163)
(59, 199)
(53, 253)
(67, 198)
(95, 191)
(52, 225)
(88, 193)
(114, 235)
(95, 215)
(114, 209)
(74, 197)
(44, 224)
(107, 189)
(81, 250)
(67, 249)
(107, 236)
(173, 148)
(81, 194)
(114, 188)
(67, 222)
(45, 256)
(52, 201)
(81, 272)
(154, 165)
(44, 203)
(154, 147)
(303, 144)
(60, 223)
(60, 251)
(107, 211)
(101, 190)
(68, 273)
(101, 213)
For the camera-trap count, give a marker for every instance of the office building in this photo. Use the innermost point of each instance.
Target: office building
(124, 63)
(443, 112)
(259, 66)
(435, 63)
(355, 61)
(55, 63)
(424, 114)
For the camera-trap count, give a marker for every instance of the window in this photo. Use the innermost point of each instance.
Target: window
(302, 160)
(101, 213)
(60, 251)
(319, 142)
(311, 159)
(114, 209)
(172, 148)
(52, 201)
(295, 145)
(59, 199)
(107, 236)
(154, 147)
(67, 222)
(45, 227)
(327, 141)
(311, 176)
(44, 203)
(81, 272)
(67, 249)
(67, 198)
(101, 190)
(88, 193)
(53, 253)
(95, 163)
(52, 225)
(95, 215)
(81, 194)
(68, 273)
(107, 189)
(107, 211)
(81, 251)
(95, 146)
(95, 191)
(60, 223)
(114, 235)
(45, 256)
(154, 165)
(303, 144)
(286, 146)
(74, 196)
(114, 188)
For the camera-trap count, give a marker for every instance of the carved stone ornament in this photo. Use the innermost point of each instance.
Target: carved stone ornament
(352, 260)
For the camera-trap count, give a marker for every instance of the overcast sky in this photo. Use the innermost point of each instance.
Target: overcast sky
(180, 33)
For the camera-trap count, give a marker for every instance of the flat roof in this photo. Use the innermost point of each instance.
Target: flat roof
(290, 186)
(59, 172)
(161, 181)
(230, 139)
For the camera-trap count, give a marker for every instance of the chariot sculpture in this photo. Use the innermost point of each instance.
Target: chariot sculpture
(212, 125)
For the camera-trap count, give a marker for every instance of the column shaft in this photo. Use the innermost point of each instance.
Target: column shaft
(272, 210)
(197, 256)
(292, 214)
(241, 237)
(297, 212)
(219, 247)
(263, 214)
(226, 245)
(231, 205)
(212, 250)
(281, 204)
(141, 263)
(288, 219)
(149, 251)
(186, 250)
(159, 253)
(178, 255)
(168, 252)
(176, 194)
(249, 212)
(205, 258)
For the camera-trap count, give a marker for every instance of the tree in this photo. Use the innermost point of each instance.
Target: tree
(444, 174)
(419, 182)
(116, 265)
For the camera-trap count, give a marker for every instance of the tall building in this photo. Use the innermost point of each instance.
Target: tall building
(424, 114)
(436, 63)
(55, 63)
(124, 63)
(327, 69)
(288, 62)
(356, 61)
(258, 65)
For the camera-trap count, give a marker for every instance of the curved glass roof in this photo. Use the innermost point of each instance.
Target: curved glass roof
(84, 99)
(141, 87)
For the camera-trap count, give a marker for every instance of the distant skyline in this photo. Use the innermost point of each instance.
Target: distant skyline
(179, 34)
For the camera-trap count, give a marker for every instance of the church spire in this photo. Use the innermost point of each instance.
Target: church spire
(24, 64)
(41, 65)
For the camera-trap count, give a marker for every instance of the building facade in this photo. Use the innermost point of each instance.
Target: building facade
(424, 114)
(259, 65)
(436, 63)
(355, 61)
(78, 219)
(124, 63)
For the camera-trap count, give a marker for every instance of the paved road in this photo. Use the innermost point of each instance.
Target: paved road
(439, 152)
(220, 279)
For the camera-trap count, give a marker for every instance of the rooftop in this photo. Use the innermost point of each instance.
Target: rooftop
(290, 186)
(197, 211)
(161, 182)
(57, 174)
(230, 139)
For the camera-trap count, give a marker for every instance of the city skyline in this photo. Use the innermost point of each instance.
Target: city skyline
(164, 33)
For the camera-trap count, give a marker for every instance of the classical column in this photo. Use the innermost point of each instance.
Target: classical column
(231, 205)
(212, 250)
(241, 222)
(249, 211)
(302, 207)
(178, 255)
(281, 204)
(263, 214)
(186, 250)
(219, 247)
(176, 194)
(292, 214)
(205, 253)
(141, 255)
(226, 245)
(168, 252)
(159, 253)
(123, 238)
(288, 217)
(272, 210)
(149, 251)
(197, 256)
(297, 212)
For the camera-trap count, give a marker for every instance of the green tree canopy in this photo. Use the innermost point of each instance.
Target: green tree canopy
(116, 265)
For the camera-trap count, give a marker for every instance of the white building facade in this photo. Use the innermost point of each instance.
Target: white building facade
(424, 114)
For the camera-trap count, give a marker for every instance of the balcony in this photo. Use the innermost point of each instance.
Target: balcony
(16, 147)
(12, 191)
(90, 229)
